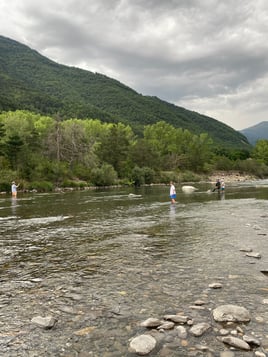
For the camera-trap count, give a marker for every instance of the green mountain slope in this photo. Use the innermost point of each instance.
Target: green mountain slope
(31, 81)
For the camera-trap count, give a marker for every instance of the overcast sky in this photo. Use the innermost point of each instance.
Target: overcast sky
(210, 56)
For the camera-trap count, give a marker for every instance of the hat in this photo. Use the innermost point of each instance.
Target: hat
(13, 181)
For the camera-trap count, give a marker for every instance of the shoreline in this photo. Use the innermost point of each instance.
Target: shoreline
(227, 176)
(232, 176)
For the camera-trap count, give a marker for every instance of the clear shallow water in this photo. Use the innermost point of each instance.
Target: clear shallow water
(105, 260)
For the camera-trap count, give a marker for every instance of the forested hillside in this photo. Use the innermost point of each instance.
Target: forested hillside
(31, 81)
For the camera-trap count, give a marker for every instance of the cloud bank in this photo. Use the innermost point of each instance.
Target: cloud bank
(208, 56)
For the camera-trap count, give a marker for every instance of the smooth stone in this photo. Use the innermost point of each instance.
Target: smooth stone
(260, 354)
(254, 255)
(45, 322)
(142, 344)
(151, 322)
(167, 325)
(199, 329)
(231, 313)
(224, 332)
(236, 342)
(251, 340)
(182, 332)
(215, 286)
(177, 318)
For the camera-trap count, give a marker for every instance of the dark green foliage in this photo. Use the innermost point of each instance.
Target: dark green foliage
(13, 147)
(104, 176)
(252, 166)
(41, 186)
(5, 187)
(142, 175)
(33, 82)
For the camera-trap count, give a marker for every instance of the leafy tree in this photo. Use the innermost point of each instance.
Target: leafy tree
(142, 153)
(115, 146)
(260, 152)
(161, 136)
(76, 146)
(13, 147)
(199, 151)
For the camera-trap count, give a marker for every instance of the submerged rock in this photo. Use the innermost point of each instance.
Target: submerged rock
(177, 318)
(215, 286)
(200, 329)
(233, 313)
(254, 255)
(236, 342)
(251, 340)
(142, 345)
(45, 322)
(151, 322)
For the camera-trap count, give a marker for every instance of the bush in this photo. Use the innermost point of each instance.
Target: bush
(5, 187)
(252, 166)
(74, 183)
(103, 176)
(223, 163)
(189, 176)
(137, 176)
(149, 175)
(41, 186)
(167, 176)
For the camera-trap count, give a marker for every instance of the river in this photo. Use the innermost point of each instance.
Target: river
(102, 261)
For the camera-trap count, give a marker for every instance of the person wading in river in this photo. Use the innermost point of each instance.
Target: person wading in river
(172, 192)
(217, 186)
(14, 189)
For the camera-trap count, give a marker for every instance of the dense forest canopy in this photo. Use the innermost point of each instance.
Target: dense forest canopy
(44, 151)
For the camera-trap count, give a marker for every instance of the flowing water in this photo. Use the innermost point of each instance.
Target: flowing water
(103, 261)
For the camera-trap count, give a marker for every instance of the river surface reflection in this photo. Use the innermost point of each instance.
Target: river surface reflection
(106, 260)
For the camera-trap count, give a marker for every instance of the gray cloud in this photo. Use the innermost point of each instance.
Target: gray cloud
(209, 56)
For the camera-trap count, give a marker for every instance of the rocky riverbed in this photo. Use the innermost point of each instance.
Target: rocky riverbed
(105, 275)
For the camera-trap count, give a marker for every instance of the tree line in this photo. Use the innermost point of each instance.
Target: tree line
(47, 151)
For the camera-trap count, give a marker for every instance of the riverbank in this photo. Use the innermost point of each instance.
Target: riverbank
(231, 176)
(228, 176)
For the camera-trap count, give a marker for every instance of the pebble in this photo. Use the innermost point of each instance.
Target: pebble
(215, 286)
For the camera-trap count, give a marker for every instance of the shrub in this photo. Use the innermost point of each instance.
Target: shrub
(137, 176)
(103, 176)
(252, 166)
(41, 186)
(189, 176)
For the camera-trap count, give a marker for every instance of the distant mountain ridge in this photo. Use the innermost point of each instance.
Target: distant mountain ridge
(256, 132)
(33, 82)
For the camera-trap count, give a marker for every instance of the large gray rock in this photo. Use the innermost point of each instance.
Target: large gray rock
(234, 313)
(142, 345)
